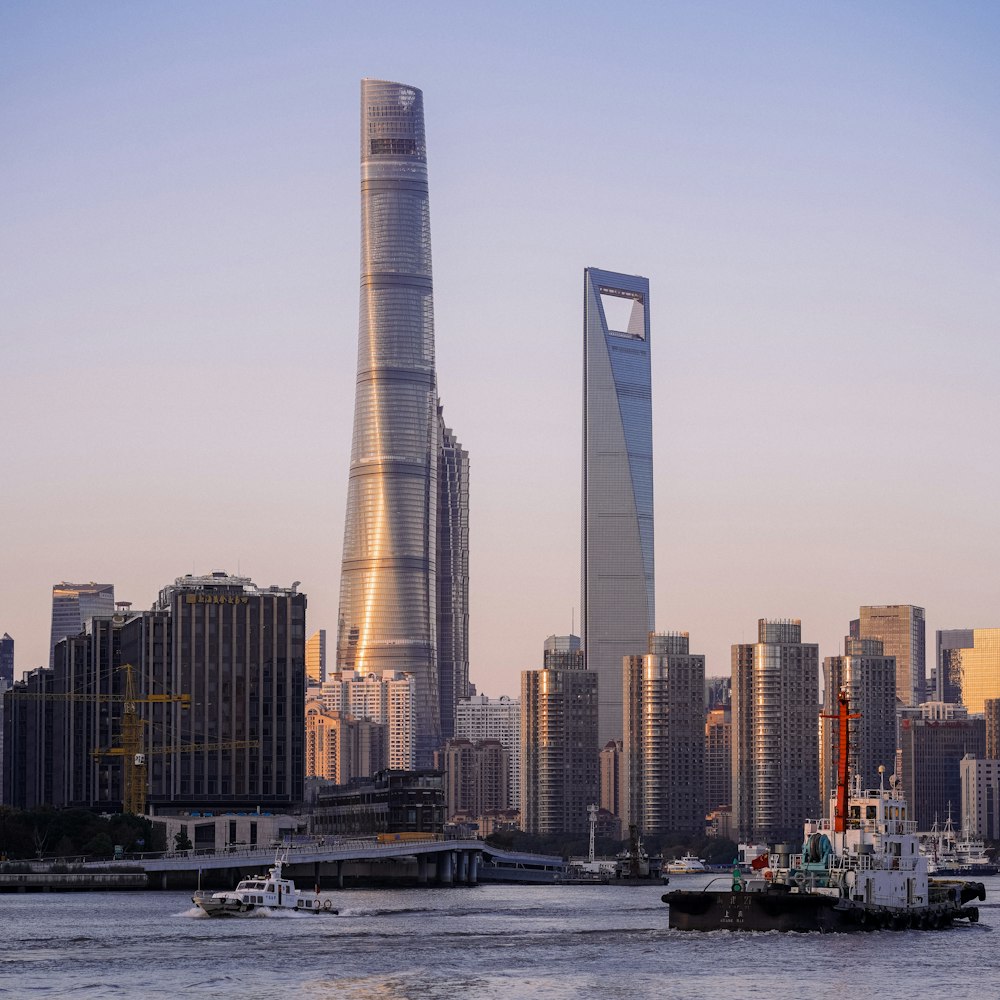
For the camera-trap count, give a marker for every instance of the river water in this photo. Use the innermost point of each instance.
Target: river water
(506, 942)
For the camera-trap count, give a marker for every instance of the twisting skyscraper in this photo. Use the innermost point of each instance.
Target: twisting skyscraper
(389, 616)
(618, 600)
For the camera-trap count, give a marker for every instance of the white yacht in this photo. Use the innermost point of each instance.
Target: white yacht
(688, 865)
(271, 892)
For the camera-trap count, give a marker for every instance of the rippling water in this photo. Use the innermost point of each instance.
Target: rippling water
(490, 941)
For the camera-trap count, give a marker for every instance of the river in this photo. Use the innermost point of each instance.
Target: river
(505, 942)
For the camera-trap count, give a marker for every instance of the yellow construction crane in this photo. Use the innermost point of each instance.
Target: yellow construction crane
(134, 771)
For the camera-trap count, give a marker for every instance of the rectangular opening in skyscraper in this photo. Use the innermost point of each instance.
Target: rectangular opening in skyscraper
(624, 312)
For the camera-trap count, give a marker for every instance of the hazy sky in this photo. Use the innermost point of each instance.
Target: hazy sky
(812, 190)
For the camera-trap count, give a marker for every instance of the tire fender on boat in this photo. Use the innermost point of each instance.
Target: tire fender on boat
(328, 904)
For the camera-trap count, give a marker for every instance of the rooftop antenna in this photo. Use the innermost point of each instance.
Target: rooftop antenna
(572, 620)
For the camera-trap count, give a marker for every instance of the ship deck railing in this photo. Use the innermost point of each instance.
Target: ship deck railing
(898, 827)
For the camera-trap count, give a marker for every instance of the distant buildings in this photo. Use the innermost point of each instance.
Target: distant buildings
(236, 649)
(980, 781)
(340, 747)
(968, 666)
(991, 713)
(559, 750)
(406, 527)
(476, 777)
(6, 660)
(482, 718)
(663, 744)
(902, 630)
(617, 556)
(775, 742)
(718, 759)
(931, 750)
(316, 658)
(73, 604)
(611, 784)
(869, 677)
(388, 698)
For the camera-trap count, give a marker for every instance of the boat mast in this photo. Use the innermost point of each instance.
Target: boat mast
(844, 743)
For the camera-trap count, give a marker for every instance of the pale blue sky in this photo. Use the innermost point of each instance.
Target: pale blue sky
(810, 188)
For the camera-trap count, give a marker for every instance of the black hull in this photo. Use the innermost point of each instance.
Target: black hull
(802, 912)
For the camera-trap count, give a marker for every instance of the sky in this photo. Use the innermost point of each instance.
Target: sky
(811, 189)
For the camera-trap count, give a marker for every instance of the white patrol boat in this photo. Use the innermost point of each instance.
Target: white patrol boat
(858, 869)
(270, 892)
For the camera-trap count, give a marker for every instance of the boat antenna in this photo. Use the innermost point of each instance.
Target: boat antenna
(844, 743)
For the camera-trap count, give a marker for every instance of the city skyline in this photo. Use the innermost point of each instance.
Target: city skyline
(810, 190)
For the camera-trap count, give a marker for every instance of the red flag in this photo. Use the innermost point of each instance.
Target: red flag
(759, 862)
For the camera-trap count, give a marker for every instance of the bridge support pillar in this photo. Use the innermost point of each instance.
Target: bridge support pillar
(445, 869)
(317, 878)
(340, 874)
(163, 880)
(421, 869)
(473, 868)
(463, 867)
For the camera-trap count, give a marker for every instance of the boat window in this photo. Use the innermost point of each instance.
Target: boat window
(869, 812)
(270, 887)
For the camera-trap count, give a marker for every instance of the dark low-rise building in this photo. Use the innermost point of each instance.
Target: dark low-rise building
(389, 802)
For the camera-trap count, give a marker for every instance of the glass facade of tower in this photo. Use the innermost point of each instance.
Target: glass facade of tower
(617, 550)
(73, 604)
(901, 628)
(969, 666)
(388, 600)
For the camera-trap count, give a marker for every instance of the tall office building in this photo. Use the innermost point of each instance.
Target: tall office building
(968, 666)
(482, 718)
(664, 741)
(559, 751)
(452, 576)
(980, 780)
(239, 651)
(6, 660)
(617, 544)
(316, 657)
(902, 630)
(73, 604)
(389, 617)
(869, 678)
(611, 777)
(775, 732)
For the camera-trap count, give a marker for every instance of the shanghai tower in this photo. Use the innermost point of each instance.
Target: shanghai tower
(389, 591)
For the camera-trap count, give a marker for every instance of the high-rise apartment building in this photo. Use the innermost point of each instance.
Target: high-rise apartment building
(476, 776)
(664, 740)
(28, 741)
(389, 617)
(73, 604)
(6, 660)
(775, 732)
(612, 754)
(869, 678)
(718, 758)
(482, 718)
(931, 751)
(340, 747)
(968, 666)
(316, 657)
(902, 630)
(388, 699)
(617, 521)
(559, 750)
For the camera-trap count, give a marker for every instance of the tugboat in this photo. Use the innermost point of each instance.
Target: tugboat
(860, 869)
(270, 892)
